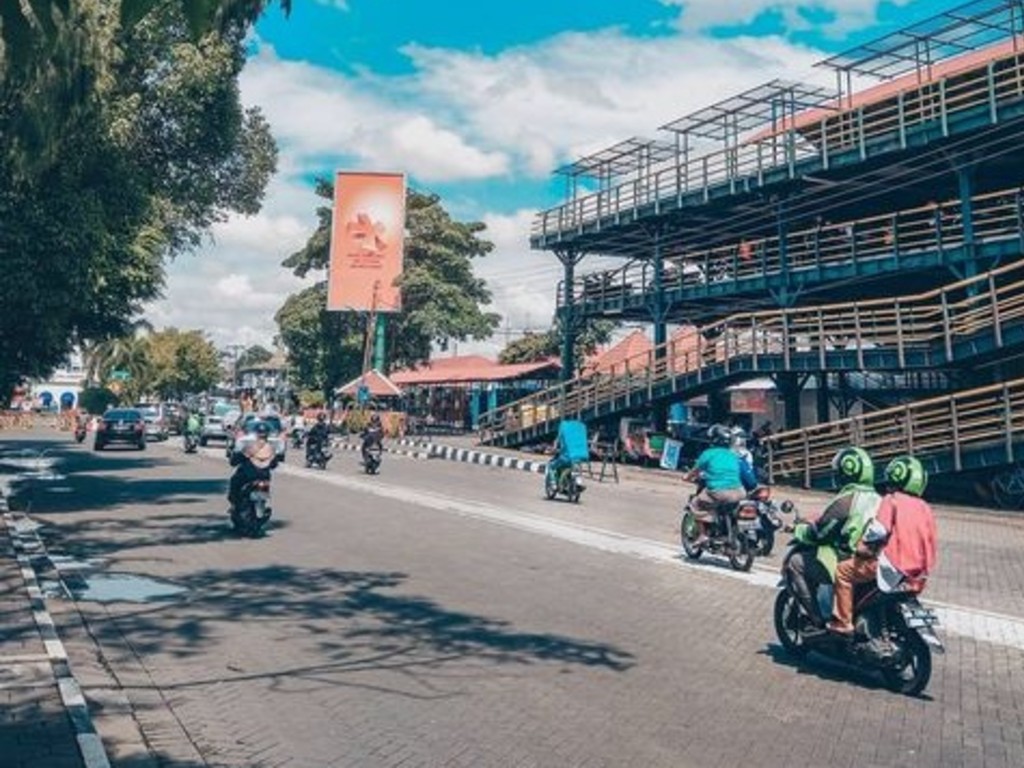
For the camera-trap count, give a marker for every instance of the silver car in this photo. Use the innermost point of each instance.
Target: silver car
(156, 424)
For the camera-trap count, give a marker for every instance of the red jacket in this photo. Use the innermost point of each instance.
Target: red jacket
(911, 546)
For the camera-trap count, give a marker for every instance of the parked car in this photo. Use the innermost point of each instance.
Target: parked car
(121, 425)
(155, 418)
(245, 433)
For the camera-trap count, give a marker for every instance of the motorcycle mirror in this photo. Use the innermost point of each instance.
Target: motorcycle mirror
(787, 506)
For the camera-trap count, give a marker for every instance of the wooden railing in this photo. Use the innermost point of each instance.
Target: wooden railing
(990, 85)
(932, 323)
(930, 228)
(953, 425)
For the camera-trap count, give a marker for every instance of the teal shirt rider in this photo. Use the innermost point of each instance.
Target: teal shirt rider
(720, 469)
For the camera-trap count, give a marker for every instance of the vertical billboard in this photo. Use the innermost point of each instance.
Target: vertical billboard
(367, 241)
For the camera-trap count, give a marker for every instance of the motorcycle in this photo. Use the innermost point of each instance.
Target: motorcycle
(80, 432)
(893, 632)
(768, 517)
(733, 533)
(191, 442)
(316, 456)
(250, 517)
(298, 436)
(372, 458)
(566, 483)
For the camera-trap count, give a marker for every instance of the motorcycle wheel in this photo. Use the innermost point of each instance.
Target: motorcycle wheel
(766, 542)
(913, 675)
(574, 491)
(550, 487)
(688, 533)
(787, 623)
(743, 559)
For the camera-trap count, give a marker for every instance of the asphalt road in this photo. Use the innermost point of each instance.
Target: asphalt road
(445, 615)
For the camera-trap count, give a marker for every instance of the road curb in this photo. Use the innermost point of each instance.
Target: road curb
(26, 543)
(482, 458)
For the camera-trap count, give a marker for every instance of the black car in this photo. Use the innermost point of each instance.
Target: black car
(121, 425)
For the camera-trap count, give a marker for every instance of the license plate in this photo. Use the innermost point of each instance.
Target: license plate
(749, 525)
(120, 427)
(259, 496)
(918, 616)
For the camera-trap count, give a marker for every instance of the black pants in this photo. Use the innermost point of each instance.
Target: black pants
(808, 574)
(245, 474)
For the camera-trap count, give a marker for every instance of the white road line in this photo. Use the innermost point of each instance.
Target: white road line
(999, 629)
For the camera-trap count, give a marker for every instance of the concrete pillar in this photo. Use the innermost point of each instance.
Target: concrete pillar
(789, 386)
(568, 260)
(824, 411)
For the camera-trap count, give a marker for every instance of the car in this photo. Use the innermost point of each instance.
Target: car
(175, 415)
(245, 433)
(213, 429)
(121, 425)
(155, 418)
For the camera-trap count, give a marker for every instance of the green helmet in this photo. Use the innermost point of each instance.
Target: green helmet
(907, 474)
(853, 466)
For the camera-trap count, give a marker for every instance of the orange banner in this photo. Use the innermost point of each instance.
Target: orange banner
(367, 242)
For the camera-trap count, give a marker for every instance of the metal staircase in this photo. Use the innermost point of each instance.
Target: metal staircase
(965, 323)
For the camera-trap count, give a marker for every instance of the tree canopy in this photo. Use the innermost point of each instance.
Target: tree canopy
(123, 144)
(442, 300)
(533, 347)
(254, 355)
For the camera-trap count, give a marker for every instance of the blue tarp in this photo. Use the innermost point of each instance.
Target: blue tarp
(573, 437)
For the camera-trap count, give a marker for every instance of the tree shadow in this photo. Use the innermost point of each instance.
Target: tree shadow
(355, 621)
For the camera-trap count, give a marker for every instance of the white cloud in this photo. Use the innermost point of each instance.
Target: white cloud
(796, 14)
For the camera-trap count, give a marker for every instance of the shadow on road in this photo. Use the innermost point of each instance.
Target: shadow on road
(346, 621)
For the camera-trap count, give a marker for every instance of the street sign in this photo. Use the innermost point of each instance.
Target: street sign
(670, 454)
(119, 375)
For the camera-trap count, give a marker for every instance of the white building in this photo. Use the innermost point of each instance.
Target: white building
(61, 389)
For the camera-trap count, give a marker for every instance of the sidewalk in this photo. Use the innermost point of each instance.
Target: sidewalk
(35, 728)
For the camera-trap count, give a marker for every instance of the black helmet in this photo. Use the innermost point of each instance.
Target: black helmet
(720, 435)
(261, 429)
(321, 417)
(853, 466)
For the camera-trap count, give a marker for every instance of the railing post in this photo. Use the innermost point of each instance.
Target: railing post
(785, 340)
(1007, 423)
(707, 195)
(753, 341)
(853, 244)
(821, 339)
(993, 110)
(807, 461)
(824, 144)
(894, 227)
(857, 331)
(901, 355)
(993, 298)
(908, 428)
(700, 356)
(902, 116)
(862, 140)
(946, 331)
(954, 421)
(725, 346)
(943, 113)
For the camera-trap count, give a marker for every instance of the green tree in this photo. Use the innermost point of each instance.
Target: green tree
(534, 347)
(129, 356)
(254, 355)
(112, 163)
(442, 300)
(530, 348)
(181, 363)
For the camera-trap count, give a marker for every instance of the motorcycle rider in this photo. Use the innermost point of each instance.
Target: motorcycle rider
(719, 470)
(373, 435)
(902, 554)
(318, 437)
(252, 463)
(837, 531)
(193, 424)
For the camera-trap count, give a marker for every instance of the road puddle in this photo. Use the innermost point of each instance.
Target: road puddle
(118, 588)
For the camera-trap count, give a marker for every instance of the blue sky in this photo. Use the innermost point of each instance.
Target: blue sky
(479, 102)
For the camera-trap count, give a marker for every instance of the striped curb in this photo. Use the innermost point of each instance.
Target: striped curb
(27, 544)
(482, 458)
(414, 454)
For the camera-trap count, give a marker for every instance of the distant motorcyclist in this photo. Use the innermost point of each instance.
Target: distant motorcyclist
(193, 424)
(837, 531)
(718, 470)
(252, 463)
(902, 554)
(373, 435)
(319, 436)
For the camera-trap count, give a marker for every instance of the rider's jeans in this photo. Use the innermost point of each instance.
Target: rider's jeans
(855, 570)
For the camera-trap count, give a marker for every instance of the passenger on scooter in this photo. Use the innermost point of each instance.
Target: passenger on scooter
(373, 435)
(253, 463)
(837, 530)
(898, 546)
(719, 472)
(319, 436)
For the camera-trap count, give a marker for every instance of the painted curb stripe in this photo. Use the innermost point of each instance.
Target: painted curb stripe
(24, 539)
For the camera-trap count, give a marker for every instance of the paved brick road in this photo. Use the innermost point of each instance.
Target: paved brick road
(370, 632)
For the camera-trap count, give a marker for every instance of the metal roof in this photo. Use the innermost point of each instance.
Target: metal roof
(622, 158)
(965, 28)
(756, 108)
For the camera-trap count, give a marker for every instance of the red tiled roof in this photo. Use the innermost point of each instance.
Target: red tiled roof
(613, 360)
(468, 368)
(379, 384)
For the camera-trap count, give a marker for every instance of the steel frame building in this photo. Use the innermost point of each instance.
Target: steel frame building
(789, 197)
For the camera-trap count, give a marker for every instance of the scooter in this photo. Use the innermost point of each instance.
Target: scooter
(564, 481)
(80, 430)
(317, 456)
(734, 532)
(251, 515)
(191, 442)
(372, 458)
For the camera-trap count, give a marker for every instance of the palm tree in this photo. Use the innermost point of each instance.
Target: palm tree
(129, 353)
